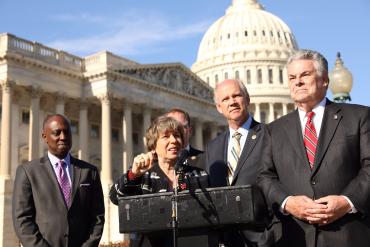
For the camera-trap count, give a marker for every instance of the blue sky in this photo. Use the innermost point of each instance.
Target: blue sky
(158, 31)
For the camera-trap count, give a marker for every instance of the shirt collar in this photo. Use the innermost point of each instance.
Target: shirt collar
(55, 160)
(318, 110)
(244, 128)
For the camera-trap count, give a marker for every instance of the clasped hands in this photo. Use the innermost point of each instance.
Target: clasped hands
(322, 211)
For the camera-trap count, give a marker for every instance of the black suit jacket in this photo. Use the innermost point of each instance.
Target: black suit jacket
(341, 167)
(40, 216)
(248, 167)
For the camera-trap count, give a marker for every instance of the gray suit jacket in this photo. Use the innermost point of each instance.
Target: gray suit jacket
(341, 167)
(40, 216)
(248, 167)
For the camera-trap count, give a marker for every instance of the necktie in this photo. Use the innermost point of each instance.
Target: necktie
(310, 138)
(64, 182)
(234, 155)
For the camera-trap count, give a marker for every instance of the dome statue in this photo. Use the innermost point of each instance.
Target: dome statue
(250, 44)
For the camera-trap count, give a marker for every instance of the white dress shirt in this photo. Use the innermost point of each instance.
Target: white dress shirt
(55, 161)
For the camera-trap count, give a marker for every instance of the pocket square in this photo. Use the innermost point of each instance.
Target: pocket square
(83, 185)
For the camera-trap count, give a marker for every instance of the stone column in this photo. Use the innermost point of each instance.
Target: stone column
(271, 112)
(34, 135)
(8, 237)
(83, 127)
(265, 75)
(106, 137)
(42, 144)
(106, 163)
(275, 72)
(127, 136)
(60, 103)
(285, 109)
(254, 79)
(6, 128)
(147, 119)
(285, 77)
(199, 134)
(15, 138)
(257, 112)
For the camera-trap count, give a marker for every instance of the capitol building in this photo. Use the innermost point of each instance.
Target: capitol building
(111, 100)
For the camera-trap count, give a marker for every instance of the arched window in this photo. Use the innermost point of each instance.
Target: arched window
(281, 79)
(259, 76)
(248, 76)
(271, 76)
(237, 75)
(226, 76)
(216, 79)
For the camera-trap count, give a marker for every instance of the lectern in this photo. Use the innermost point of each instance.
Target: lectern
(199, 212)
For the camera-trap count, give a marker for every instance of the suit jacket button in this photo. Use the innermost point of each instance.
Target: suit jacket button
(313, 182)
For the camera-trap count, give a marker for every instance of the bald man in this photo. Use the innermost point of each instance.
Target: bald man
(58, 199)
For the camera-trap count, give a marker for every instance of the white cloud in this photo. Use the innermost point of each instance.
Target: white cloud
(128, 34)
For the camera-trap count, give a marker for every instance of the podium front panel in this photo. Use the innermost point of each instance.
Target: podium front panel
(213, 207)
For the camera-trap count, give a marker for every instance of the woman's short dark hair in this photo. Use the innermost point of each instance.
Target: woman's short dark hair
(161, 125)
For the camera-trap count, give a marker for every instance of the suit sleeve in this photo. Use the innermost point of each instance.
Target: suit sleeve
(358, 190)
(268, 179)
(96, 213)
(23, 212)
(125, 187)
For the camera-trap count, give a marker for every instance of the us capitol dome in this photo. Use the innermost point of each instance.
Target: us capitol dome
(252, 45)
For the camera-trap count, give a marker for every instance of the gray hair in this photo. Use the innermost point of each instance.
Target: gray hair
(320, 62)
(241, 86)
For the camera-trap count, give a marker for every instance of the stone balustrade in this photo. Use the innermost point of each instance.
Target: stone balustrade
(11, 44)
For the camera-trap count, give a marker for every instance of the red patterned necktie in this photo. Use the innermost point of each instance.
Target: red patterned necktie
(64, 182)
(310, 138)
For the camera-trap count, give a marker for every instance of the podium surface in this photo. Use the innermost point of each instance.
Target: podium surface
(211, 208)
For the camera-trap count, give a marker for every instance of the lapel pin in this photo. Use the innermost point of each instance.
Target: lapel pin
(335, 116)
(254, 137)
(193, 157)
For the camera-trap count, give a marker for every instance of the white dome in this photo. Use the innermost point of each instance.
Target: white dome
(250, 44)
(246, 27)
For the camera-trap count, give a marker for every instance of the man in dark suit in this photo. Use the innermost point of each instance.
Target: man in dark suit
(184, 118)
(232, 101)
(58, 199)
(317, 173)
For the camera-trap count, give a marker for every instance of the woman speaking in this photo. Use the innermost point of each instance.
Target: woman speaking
(154, 172)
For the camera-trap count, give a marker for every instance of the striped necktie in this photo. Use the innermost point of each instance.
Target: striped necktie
(310, 138)
(64, 182)
(233, 156)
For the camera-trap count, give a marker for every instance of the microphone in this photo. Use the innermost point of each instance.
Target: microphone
(181, 158)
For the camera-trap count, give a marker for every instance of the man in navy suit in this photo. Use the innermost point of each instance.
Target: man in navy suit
(58, 206)
(232, 101)
(317, 172)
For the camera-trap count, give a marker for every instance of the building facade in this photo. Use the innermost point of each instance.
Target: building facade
(110, 101)
(250, 44)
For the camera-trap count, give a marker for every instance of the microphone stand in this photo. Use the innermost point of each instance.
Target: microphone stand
(174, 222)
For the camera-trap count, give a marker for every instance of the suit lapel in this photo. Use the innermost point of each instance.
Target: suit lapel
(250, 142)
(331, 119)
(293, 130)
(76, 176)
(53, 178)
